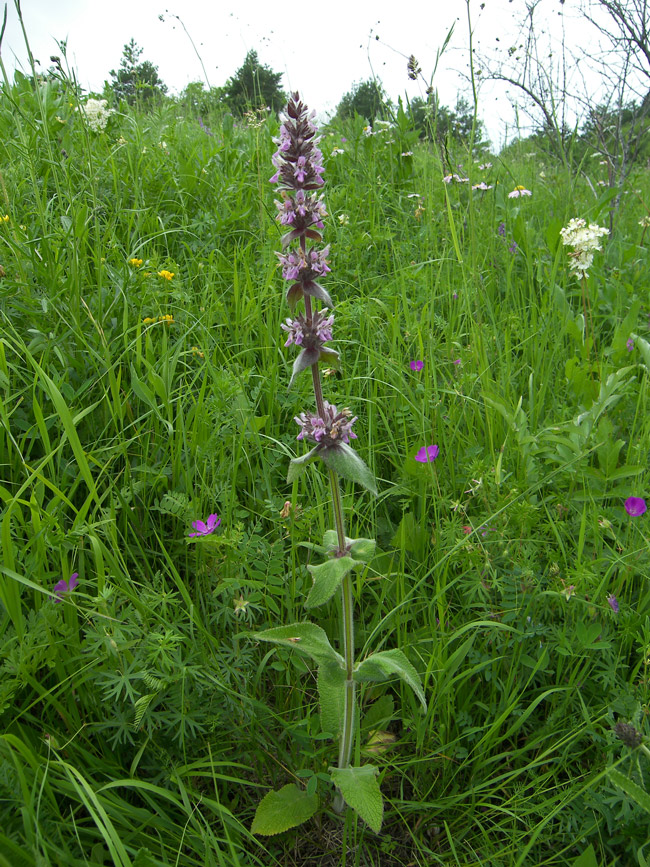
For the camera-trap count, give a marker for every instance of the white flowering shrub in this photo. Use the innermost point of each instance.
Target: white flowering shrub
(96, 114)
(585, 240)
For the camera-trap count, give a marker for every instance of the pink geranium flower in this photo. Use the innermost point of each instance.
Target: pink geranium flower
(205, 528)
(427, 454)
(635, 506)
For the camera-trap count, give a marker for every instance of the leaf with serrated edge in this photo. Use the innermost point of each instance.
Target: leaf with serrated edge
(386, 663)
(360, 790)
(327, 579)
(331, 692)
(305, 637)
(347, 463)
(284, 809)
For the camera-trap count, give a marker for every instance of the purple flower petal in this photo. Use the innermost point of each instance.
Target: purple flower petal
(427, 454)
(204, 528)
(635, 506)
(416, 365)
(613, 603)
(64, 586)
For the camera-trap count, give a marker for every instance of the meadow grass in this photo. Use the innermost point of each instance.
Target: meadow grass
(139, 724)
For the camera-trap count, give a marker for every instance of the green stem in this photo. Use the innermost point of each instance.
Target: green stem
(347, 607)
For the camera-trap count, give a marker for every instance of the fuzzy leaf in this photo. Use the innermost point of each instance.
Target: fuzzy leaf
(347, 463)
(305, 359)
(315, 290)
(305, 637)
(386, 663)
(279, 811)
(631, 789)
(330, 357)
(362, 550)
(360, 790)
(297, 466)
(331, 692)
(327, 579)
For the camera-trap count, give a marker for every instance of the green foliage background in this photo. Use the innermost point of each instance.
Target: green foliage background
(138, 724)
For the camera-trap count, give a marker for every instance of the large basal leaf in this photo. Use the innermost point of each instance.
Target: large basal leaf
(386, 664)
(347, 463)
(331, 692)
(327, 579)
(360, 790)
(279, 811)
(305, 637)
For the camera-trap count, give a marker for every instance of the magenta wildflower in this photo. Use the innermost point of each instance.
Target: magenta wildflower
(207, 527)
(635, 506)
(613, 603)
(416, 365)
(630, 344)
(427, 454)
(64, 586)
(513, 248)
(458, 361)
(335, 428)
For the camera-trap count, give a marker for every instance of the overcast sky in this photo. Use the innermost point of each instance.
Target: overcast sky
(322, 49)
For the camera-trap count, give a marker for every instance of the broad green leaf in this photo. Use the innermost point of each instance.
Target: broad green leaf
(362, 550)
(630, 788)
(297, 466)
(305, 637)
(327, 579)
(331, 692)
(347, 463)
(587, 859)
(279, 811)
(386, 663)
(360, 790)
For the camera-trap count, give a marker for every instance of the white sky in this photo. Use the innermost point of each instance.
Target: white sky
(322, 48)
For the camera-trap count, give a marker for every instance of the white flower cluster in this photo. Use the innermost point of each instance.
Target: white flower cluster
(97, 114)
(585, 241)
(644, 222)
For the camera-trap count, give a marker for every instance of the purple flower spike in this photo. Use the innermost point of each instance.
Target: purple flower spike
(635, 506)
(613, 603)
(64, 586)
(427, 454)
(204, 529)
(416, 365)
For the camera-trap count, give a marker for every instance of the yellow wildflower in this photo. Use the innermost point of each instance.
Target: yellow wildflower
(197, 351)
(135, 262)
(168, 319)
(166, 274)
(148, 320)
(5, 219)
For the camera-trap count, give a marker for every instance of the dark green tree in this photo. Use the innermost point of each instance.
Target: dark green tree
(368, 99)
(436, 121)
(254, 85)
(136, 81)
